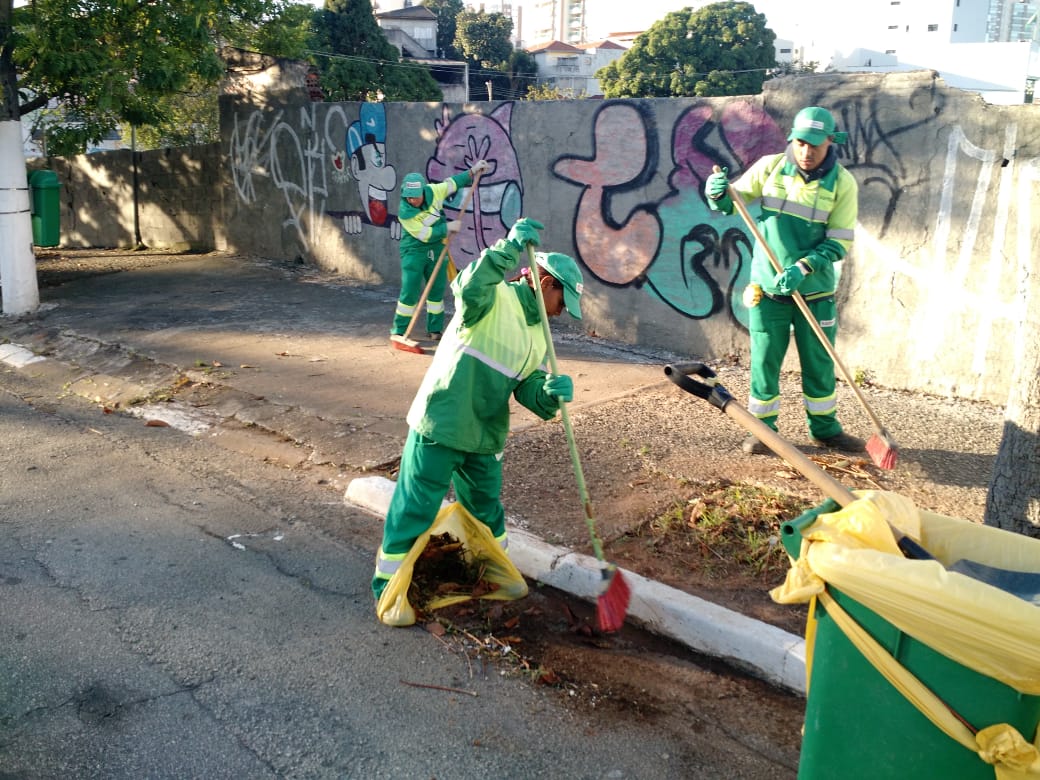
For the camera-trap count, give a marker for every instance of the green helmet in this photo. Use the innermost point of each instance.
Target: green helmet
(565, 271)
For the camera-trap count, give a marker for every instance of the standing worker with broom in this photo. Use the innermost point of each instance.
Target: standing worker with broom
(492, 351)
(808, 215)
(425, 232)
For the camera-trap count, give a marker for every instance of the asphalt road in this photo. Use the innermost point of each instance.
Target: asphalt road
(171, 608)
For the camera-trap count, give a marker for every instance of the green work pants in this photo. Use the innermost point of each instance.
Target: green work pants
(770, 324)
(427, 470)
(417, 266)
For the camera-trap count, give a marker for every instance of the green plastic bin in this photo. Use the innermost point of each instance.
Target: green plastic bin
(858, 726)
(46, 208)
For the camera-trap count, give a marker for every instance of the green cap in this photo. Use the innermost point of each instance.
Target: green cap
(565, 271)
(412, 185)
(814, 125)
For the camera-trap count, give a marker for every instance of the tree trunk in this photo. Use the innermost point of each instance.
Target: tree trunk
(17, 261)
(1013, 502)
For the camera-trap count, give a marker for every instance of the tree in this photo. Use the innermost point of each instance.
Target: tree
(1013, 500)
(108, 62)
(796, 68)
(545, 91)
(447, 13)
(357, 62)
(485, 40)
(719, 49)
(515, 76)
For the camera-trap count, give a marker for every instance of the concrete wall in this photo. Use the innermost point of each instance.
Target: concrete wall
(930, 298)
(178, 198)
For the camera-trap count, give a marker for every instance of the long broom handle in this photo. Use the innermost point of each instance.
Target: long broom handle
(738, 203)
(579, 475)
(717, 395)
(437, 266)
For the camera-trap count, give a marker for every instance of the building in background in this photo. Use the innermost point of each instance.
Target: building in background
(984, 46)
(412, 30)
(554, 20)
(571, 69)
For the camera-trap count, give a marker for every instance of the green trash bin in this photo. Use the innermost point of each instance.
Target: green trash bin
(45, 208)
(858, 726)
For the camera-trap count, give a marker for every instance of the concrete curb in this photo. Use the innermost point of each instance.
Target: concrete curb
(763, 650)
(17, 356)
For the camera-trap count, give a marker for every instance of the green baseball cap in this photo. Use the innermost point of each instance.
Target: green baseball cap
(412, 185)
(814, 125)
(565, 271)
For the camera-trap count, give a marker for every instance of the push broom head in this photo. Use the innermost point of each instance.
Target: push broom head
(882, 450)
(613, 601)
(406, 345)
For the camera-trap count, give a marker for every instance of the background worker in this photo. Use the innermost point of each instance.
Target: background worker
(425, 233)
(492, 351)
(809, 204)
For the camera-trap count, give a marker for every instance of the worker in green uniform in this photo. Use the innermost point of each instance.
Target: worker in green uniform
(493, 350)
(421, 214)
(809, 204)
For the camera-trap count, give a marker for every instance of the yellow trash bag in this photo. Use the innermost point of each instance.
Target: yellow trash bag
(980, 627)
(976, 625)
(479, 546)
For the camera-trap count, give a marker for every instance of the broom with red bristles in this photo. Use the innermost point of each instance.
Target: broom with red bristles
(612, 603)
(881, 447)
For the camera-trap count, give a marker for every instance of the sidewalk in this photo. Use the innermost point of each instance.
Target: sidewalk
(305, 356)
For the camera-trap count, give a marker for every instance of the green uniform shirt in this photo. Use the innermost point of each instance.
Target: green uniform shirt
(492, 349)
(812, 221)
(426, 225)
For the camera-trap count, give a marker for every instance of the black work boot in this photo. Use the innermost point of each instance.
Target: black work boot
(841, 441)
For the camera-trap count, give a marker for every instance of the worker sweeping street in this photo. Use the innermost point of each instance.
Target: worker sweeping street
(809, 204)
(421, 214)
(492, 351)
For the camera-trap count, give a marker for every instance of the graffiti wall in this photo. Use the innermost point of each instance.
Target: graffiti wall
(930, 296)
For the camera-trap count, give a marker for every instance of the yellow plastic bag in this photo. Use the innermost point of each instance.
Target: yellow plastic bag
(479, 546)
(976, 625)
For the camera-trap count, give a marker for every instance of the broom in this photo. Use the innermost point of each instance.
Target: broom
(612, 603)
(404, 343)
(881, 447)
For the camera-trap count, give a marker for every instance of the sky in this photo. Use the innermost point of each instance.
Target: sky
(786, 18)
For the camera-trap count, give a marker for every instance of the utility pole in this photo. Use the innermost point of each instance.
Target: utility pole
(488, 85)
(17, 260)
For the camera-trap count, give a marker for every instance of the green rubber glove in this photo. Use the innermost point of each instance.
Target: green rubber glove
(525, 231)
(715, 186)
(559, 386)
(787, 281)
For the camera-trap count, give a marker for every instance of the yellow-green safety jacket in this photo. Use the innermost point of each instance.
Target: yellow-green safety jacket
(492, 349)
(426, 225)
(813, 221)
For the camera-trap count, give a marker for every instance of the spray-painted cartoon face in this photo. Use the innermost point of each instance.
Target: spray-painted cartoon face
(366, 146)
(375, 179)
(498, 202)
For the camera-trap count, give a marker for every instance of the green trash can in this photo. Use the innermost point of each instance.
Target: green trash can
(46, 208)
(858, 726)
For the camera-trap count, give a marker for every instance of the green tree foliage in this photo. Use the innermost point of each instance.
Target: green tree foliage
(484, 38)
(358, 63)
(719, 49)
(112, 62)
(545, 91)
(485, 41)
(796, 68)
(511, 79)
(447, 13)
